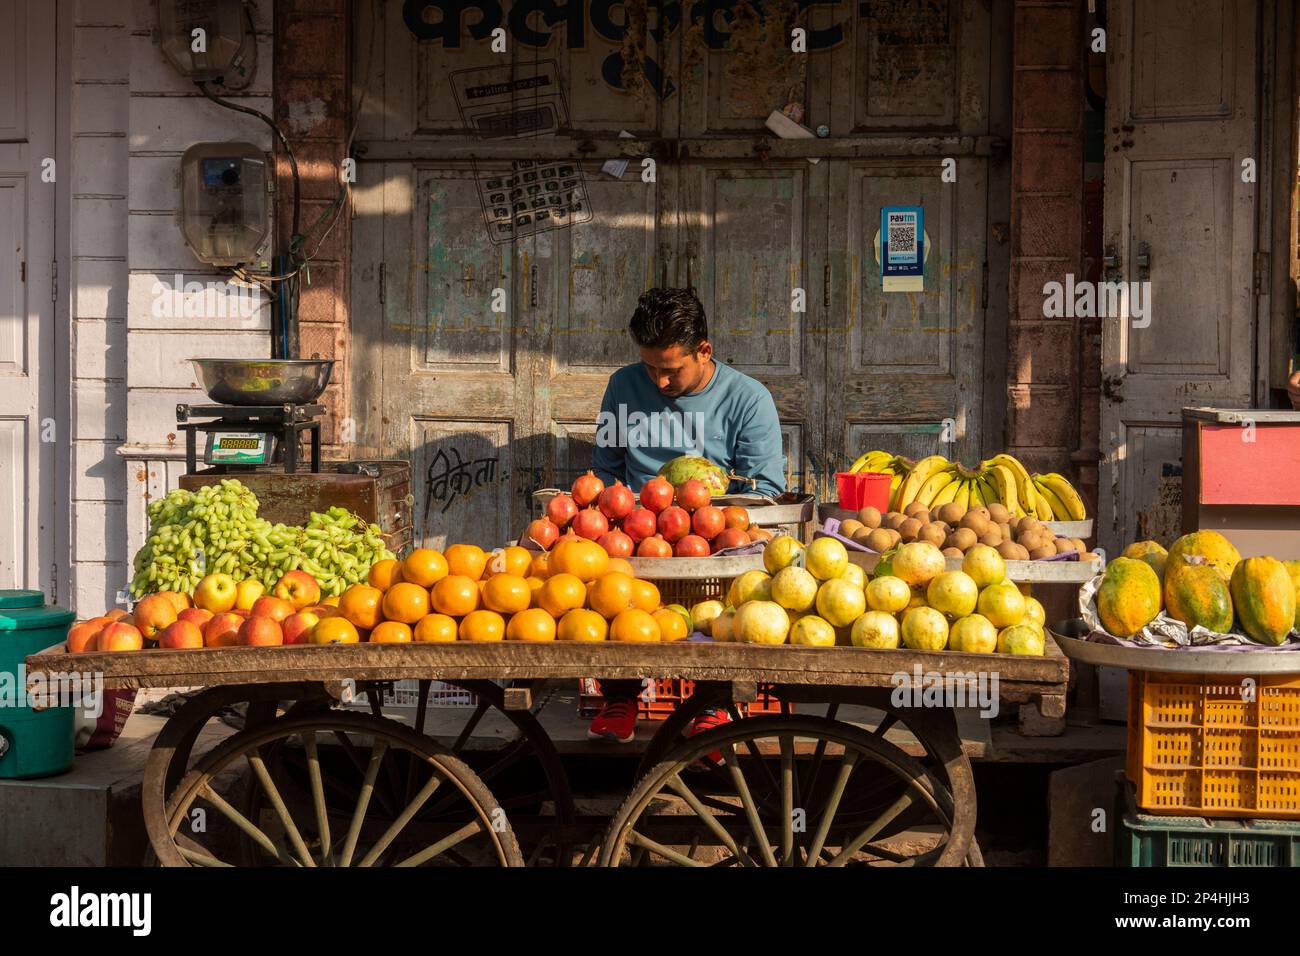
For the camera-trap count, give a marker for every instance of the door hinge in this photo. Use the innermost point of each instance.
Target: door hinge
(826, 286)
(381, 283)
(54, 280)
(1261, 271)
(22, 271)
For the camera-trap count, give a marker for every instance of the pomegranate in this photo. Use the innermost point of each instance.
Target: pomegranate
(692, 493)
(708, 522)
(730, 538)
(736, 516)
(561, 509)
(656, 494)
(616, 501)
(654, 547)
(590, 523)
(586, 489)
(640, 524)
(569, 535)
(691, 546)
(617, 544)
(543, 531)
(674, 523)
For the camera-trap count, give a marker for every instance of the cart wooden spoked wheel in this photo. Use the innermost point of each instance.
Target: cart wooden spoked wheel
(378, 794)
(526, 775)
(788, 791)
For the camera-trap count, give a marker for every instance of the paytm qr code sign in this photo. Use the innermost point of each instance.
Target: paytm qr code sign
(902, 249)
(518, 102)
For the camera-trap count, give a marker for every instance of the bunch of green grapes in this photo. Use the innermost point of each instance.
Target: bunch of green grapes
(336, 547)
(192, 534)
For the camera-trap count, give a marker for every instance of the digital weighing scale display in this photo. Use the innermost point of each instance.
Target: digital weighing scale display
(238, 448)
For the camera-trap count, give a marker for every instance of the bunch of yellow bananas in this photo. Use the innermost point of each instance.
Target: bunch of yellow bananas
(883, 462)
(935, 481)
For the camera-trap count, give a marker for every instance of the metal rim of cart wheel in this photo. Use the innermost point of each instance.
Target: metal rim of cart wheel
(169, 759)
(316, 834)
(756, 793)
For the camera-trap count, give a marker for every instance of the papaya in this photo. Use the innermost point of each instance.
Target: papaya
(1293, 569)
(1197, 595)
(684, 467)
(1263, 595)
(1152, 552)
(1217, 551)
(1129, 597)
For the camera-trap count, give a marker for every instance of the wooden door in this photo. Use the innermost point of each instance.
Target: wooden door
(1180, 121)
(28, 485)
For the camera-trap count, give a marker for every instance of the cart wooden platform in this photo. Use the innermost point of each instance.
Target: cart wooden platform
(309, 783)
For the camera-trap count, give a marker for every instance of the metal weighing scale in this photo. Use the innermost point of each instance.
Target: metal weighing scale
(241, 438)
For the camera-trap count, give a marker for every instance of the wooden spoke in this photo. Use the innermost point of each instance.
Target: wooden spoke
(645, 843)
(405, 817)
(252, 830)
(678, 786)
(318, 797)
(355, 755)
(444, 845)
(787, 799)
(905, 800)
(201, 859)
(277, 802)
(747, 801)
(847, 763)
(479, 710)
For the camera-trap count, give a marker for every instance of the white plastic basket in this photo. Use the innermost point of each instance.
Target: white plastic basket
(404, 695)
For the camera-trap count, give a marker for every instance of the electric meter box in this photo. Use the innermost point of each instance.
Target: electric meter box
(225, 203)
(210, 52)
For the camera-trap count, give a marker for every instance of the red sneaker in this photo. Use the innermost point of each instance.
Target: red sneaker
(707, 720)
(616, 721)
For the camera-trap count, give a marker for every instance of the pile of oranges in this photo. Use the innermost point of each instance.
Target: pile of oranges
(574, 592)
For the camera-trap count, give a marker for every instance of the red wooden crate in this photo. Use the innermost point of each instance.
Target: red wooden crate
(665, 694)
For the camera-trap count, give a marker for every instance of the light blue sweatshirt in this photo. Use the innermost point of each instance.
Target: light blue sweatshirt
(732, 422)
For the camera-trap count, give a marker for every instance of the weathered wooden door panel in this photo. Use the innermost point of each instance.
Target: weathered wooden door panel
(1182, 82)
(904, 65)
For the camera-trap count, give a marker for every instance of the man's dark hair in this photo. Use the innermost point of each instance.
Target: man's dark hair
(667, 317)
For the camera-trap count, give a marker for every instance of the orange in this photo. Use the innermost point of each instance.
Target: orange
(425, 567)
(507, 593)
(334, 630)
(634, 625)
(560, 593)
(456, 595)
(435, 629)
(622, 564)
(509, 560)
(582, 625)
(466, 559)
(645, 595)
(533, 624)
(360, 604)
(405, 602)
(483, 626)
(534, 590)
(609, 594)
(585, 559)
(332, 600)
(540, 566)
(672, 626)
(391, 632)
(384, 574)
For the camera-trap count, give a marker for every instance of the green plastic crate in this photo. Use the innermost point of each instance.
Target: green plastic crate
(1145, 840)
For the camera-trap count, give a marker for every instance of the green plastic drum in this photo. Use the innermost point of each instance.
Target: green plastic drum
(32, 743)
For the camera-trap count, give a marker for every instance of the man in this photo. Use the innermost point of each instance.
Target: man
(679, 400)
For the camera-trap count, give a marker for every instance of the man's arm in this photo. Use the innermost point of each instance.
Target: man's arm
(758, 449)
(608, 458)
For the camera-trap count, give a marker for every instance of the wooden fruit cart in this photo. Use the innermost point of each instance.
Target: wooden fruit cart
(309, 783)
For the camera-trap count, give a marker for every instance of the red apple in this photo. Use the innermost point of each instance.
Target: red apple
(616, 544)
(708, 522)
(640, 524)
(181, 635)
(730, 538)
(693, 493)
(297, 627)
(561, 510)
(656, 494)
(586, 489)
(223, 629)
(216, 593)
(674, 524)
(277, 609)
(654, 547)
(691, 546)
(120, 636)
(243, 612)
(616, 501)
(298, 588)
(82, 637)
(543, 531)
(736, 517)
(590, 523)
(260, 631)
(154, 613)
(197, 616)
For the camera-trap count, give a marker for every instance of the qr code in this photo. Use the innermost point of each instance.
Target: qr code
(902, 237)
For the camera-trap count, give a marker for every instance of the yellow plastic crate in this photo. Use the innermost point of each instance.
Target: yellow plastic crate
(1203, 746)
